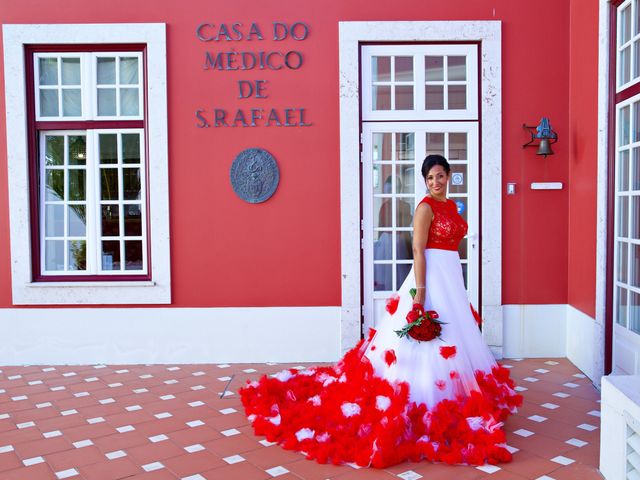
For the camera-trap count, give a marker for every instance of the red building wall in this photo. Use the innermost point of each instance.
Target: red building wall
(583, 154)
(287, 251)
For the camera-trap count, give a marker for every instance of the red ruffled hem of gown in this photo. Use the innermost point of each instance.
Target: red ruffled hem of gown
(347, 414)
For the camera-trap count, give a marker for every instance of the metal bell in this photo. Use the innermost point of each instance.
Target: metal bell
(544, 148)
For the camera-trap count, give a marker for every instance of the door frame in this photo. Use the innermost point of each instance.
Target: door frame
(488, 34)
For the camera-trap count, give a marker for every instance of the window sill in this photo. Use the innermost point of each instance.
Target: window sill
(91, 284)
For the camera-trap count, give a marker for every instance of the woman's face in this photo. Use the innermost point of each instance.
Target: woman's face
(437, 180)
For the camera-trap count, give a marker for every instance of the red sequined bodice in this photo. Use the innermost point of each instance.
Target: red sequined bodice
(447, 228)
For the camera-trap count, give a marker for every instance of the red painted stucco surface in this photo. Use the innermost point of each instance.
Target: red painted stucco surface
(583, 154)
(287, 251)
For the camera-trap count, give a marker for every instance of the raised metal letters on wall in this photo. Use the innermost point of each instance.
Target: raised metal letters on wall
(254, 175)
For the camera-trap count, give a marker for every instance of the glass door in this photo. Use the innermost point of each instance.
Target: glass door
(393, 153)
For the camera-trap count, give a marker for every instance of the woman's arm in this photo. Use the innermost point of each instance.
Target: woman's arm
(421, 223)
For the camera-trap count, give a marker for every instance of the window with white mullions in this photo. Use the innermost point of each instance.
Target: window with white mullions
(64, 202)
(118, 82)
(93, 203)
(59, 80)
(121, 202)
(628, 44)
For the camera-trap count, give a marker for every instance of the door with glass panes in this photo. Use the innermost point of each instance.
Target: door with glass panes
(417, 100)
(626, 231)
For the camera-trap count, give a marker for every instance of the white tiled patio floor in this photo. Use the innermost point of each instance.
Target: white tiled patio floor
(157, 422)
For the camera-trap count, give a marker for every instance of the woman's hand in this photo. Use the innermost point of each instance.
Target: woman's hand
(420, 295)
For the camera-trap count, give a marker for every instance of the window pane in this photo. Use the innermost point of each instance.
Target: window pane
(382, 277)
(623, 249)
(54, 150)
(404, 212)
(382, 149)
(461, 205)
(635, 170)
(111, 255)
(623, 217)
(107, 101)
(434, 68)
(634, 312)
(132, 221)
(381, 69)
(77, 220)
(129, 70)
(129, 102)
(71, 103)
(405, 149)
(457, 97)
(48, 71)
(636, 58)
(634, 277)
(106, 71)
(77, 150)
(403, 69)
(402, 270)
(108, 148)
(130, 148)
(621, 313)
(77, 185)
(435, 144)
(458, 182)
(634, 227)
(54, 255)
(131, 183)
(54, 185)
(77, 255)
(54, 220)
(462, 250)
(623, 136)
(404, 250)
(109, 184)
(48, 103)
(457, 146)
(404, 98)
(133, 255)
(625, 25)
(382, 98)
(457, 68)
(434, 97)
(382, 247)
(623, 170)
(625, 65)
(70, 71)
(382, 210)
(382, 179)
(405, 179)
(110, 221)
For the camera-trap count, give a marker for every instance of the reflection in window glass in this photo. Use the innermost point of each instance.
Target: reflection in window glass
(622, 261)
(434, 97)
(382, 277)
(623, 170)
(133, 255)
(106, 71)
(434, 68)
(403, 69)
(111, 255)
(48, 71)
(77, 255)
(405, 146)
(381, 69)
(456, 68)
(70, 71)
(621, 306)
(435, 144)
(402, 270)
(634, 312)
(48, 103)
(129, 70)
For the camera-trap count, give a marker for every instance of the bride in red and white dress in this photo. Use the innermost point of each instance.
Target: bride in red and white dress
(393, 398)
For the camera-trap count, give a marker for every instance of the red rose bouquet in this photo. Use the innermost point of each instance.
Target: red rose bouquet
(422, 326)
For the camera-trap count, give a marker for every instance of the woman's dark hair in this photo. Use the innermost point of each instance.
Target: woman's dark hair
(433, 160)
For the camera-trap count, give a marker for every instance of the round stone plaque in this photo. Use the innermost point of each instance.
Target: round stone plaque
(254, 175)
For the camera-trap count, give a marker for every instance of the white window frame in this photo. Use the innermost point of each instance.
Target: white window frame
(623, 335)
(633, 38)
(419, 112)
(24, 290)
(94, 203)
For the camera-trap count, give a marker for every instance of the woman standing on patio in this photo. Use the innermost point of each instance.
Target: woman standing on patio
(423, 386)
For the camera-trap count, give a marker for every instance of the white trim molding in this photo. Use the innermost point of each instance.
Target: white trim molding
(488, 33)
(24, 291)
(169, 335)
(535, 331)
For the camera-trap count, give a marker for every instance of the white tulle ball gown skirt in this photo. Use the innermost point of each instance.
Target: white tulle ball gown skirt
(392, 399)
